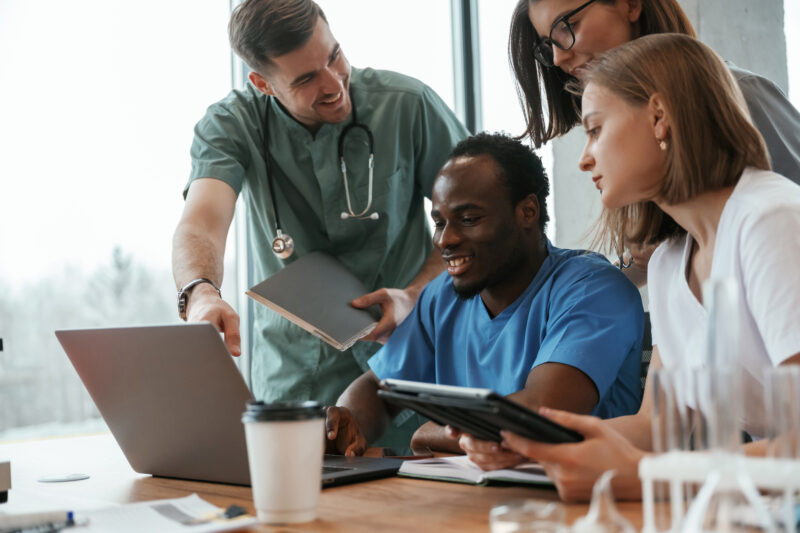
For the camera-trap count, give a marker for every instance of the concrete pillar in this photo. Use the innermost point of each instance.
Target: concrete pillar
(750, 34)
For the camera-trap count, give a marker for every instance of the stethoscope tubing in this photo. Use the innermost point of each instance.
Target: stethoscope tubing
(354, 124)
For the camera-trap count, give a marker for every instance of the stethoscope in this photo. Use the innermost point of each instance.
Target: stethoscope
(283, 244)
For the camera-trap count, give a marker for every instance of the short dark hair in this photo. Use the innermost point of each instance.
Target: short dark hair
(263, 29)
(518, 166)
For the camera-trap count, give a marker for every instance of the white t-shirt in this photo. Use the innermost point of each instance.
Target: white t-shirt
(758, 245)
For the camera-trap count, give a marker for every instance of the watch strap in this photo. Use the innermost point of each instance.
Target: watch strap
(183, 294)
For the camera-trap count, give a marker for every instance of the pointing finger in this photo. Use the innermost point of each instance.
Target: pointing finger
(332, 422)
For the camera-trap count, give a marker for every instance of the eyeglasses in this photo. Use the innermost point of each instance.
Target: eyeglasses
(561, 35)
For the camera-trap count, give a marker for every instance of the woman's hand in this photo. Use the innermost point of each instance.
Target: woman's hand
(487, 455)
(574, 468)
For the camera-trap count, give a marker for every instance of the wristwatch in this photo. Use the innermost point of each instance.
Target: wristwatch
(183, 294)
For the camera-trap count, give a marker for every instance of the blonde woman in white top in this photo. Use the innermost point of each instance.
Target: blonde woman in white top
(672, 150)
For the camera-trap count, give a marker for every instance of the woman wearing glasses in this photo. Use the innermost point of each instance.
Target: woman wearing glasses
(552, 41)
(676, 159)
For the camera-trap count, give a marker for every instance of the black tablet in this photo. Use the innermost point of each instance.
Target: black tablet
(480, 412)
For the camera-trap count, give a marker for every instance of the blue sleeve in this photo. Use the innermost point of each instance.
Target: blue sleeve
(409, 353)
(595, 322)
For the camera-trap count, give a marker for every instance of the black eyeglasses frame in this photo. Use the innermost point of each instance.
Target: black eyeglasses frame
(543, 48)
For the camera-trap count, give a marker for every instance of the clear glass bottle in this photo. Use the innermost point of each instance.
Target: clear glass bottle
(603, 516)
(728, 501)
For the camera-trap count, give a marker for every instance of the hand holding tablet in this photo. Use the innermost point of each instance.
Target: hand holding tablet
(480, 412)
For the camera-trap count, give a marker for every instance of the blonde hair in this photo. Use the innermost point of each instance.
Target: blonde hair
(711, 138)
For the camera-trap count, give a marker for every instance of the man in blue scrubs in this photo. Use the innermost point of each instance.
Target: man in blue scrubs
(513, 313)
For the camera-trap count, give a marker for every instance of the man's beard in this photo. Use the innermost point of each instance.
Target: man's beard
(467, 292)
(470, 291)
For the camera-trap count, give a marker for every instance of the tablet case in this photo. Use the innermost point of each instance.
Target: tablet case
(480, 412)
(315, 292)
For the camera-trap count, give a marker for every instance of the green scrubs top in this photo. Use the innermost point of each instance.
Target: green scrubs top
(414, 131)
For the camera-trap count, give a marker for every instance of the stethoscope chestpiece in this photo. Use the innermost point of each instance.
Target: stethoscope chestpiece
(283, 245)
(372, 216)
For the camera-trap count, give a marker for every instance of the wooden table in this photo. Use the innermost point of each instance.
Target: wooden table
(393, 504)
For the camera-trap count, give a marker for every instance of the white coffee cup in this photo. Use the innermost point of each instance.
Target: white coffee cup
(285, 444)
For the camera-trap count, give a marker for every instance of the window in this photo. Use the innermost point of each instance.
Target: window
(394, 36)
(501, 108)
(98, 103)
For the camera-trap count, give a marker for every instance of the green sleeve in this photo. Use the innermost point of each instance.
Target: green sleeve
(219, 149)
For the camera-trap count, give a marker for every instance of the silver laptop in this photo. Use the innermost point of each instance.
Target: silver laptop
(173, 399)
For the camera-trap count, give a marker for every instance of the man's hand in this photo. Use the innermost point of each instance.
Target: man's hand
(487, 455)
(574, 467)
(395, 305)
(205, 305)
(434, 437)
(342, 432)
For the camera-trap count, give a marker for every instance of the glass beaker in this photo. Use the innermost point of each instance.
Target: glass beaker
(782, 408)
(670, 435)
(728, 501)
(528, 516)
(603, 516)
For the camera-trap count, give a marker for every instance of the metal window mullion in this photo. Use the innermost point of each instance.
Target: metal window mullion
(466, 63)
(239, 72)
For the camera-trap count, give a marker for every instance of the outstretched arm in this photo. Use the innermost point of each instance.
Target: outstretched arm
(575, 467)
(551, 384)
(198, 250)
(617, 443)
(359, 418)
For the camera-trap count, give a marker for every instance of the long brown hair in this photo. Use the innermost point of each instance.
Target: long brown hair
(711, 138)
(563, 108)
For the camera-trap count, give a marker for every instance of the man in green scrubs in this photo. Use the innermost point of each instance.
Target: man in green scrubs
(304, 91)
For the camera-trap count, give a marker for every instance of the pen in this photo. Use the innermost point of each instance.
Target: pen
(16, 522)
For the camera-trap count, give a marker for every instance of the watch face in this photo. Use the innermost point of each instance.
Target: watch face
(183, 294)
(182, 305)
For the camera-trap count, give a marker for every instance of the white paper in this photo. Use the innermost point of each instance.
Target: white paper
(460, 467)
(158, 515)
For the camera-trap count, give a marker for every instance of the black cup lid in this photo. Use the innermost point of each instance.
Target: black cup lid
(258, 411)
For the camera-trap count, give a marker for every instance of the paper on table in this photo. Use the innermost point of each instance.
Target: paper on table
(461, 469)
(160, 515)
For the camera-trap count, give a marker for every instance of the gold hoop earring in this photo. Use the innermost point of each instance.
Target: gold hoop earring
(662, 144)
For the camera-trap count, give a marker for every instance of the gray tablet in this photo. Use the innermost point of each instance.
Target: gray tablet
(480, 412)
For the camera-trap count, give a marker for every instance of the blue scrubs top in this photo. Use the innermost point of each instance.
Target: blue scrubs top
(579, 310)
